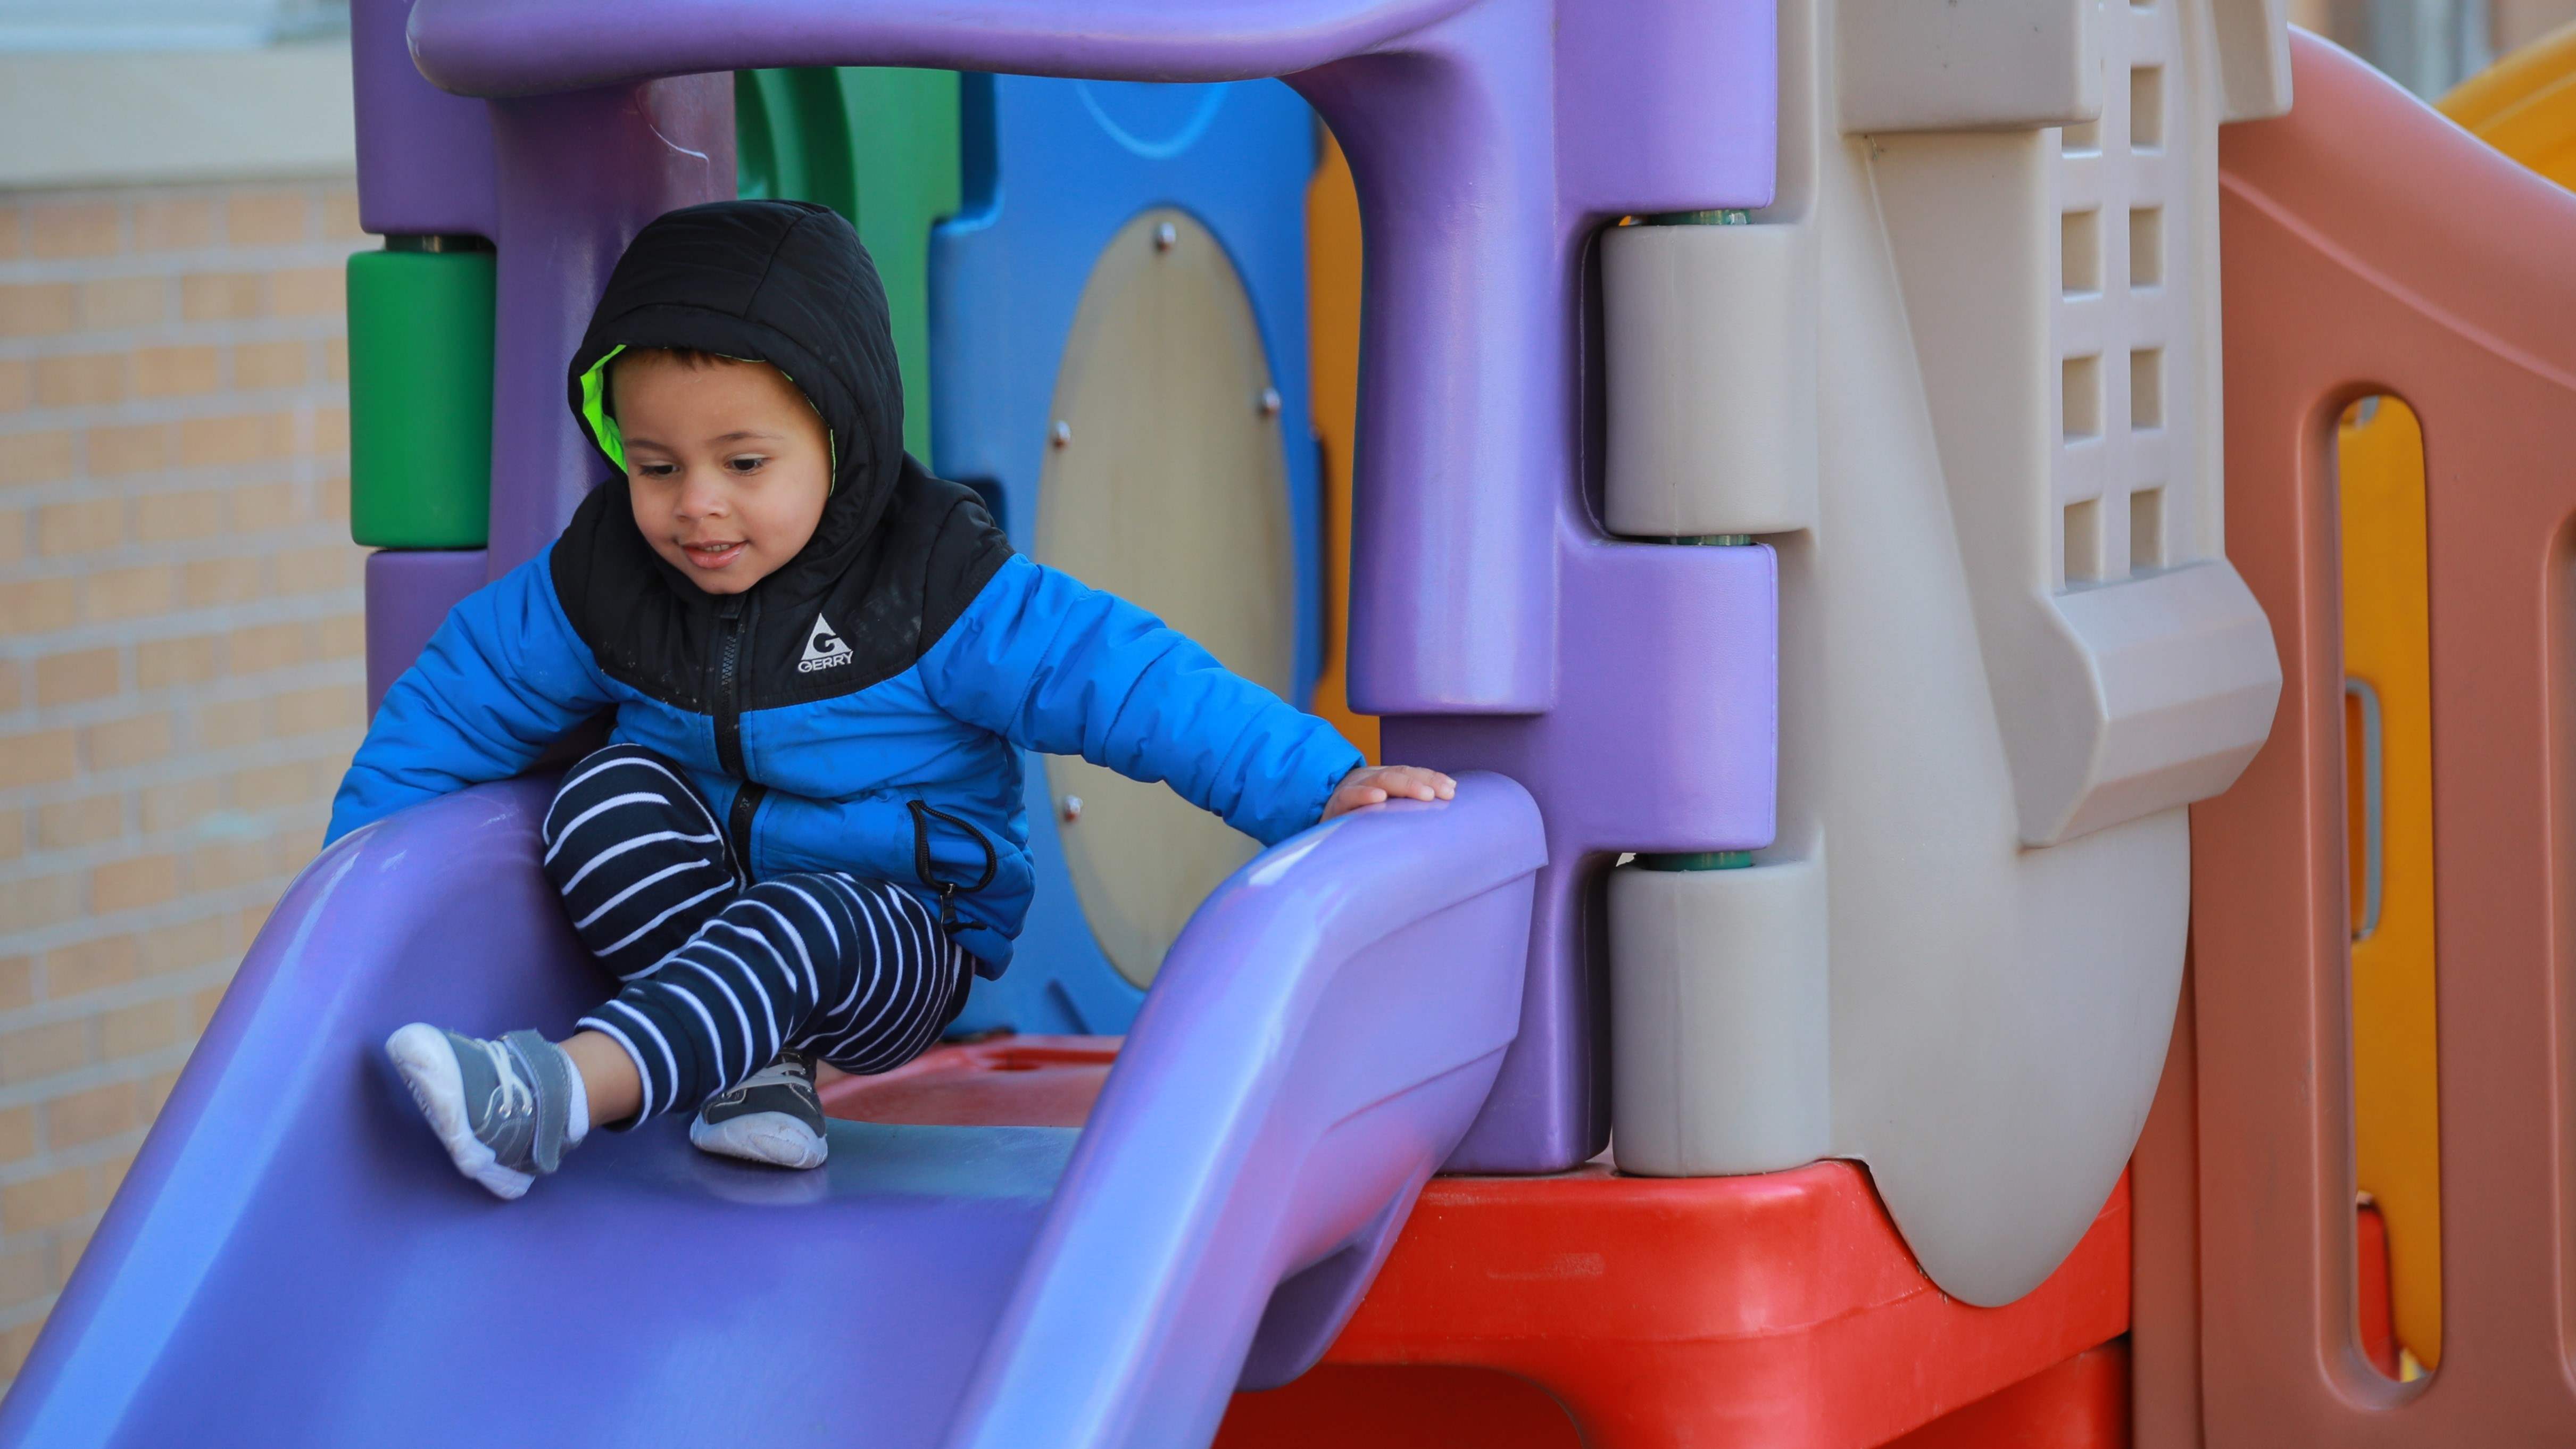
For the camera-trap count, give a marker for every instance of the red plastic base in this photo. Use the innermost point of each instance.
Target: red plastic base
(1632, 1313)
(2082, 1403)
(1779, 1310)
(1399, 1408)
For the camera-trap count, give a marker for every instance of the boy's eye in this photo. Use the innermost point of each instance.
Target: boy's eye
(747, 463)
(656, 470)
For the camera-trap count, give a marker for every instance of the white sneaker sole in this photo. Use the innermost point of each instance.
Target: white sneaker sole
(771, 1137)
(428, 1066)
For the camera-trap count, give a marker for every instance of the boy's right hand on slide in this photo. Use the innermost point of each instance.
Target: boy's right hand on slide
(1377, 784)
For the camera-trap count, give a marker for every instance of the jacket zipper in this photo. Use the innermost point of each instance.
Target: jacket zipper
(730, 626)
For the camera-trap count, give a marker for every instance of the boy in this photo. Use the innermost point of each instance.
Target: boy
(806, 837)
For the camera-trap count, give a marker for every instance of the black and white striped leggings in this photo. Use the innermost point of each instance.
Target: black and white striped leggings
(721, 973)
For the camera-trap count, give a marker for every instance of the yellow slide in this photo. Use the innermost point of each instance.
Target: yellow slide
(2525, 105)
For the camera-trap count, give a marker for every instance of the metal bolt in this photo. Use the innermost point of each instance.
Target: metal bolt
(1061, 435)
(1270, 402)
(1166, 236)
(1071, 810)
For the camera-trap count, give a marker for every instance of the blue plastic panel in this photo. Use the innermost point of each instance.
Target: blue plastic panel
(1053, 169)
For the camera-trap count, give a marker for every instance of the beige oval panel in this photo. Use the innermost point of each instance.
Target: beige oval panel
(1165, 483)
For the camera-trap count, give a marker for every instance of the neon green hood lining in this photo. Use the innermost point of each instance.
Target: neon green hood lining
(594, 408)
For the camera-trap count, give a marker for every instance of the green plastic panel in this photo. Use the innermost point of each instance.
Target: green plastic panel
(878, 146)
(420, 398)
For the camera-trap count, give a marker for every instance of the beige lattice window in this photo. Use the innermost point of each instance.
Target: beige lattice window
(2122, 322)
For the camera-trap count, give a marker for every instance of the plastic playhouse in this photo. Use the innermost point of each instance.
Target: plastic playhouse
(1997, 578)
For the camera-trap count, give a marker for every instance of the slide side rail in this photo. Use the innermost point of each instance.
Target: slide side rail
(1319, 1039)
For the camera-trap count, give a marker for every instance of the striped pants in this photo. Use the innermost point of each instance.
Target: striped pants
(723, 973)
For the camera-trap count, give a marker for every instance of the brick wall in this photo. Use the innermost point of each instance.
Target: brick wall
(181, 652)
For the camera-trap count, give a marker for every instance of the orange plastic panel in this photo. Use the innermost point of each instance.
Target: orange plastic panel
(2387, 654)
(2369, 246)
(2525, 105)
(1333, 364)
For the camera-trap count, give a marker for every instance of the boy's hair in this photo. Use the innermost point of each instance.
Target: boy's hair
(689, 357)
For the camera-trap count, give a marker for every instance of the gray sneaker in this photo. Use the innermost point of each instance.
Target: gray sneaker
(775, 1117)
(501, 1108)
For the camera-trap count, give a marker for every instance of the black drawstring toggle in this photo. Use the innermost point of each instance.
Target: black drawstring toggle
(922, 864)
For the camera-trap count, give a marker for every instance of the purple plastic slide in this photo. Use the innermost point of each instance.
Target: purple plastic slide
(293, 1262)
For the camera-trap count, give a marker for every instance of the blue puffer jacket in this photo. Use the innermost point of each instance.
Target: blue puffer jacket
(1037, 661)
(865, 704)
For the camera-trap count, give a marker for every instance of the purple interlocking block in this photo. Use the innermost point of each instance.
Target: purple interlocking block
(424, 156)
(1490, 140)
(408, 595)
(285, 1264)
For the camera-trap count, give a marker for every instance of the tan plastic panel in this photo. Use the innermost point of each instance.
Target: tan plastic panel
(1999, 1007)
(1165, 483)
(1722, 1019)
(1943, 65)
(2060, 287)
(2253, 57)
(1710, 334)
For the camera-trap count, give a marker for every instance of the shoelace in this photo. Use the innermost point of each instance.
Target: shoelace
(516, 1095)
(784, 1072)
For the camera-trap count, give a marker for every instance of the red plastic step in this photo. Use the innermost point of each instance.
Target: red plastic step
(1780, 1310)
(1008, 1081)
(1629, 1312)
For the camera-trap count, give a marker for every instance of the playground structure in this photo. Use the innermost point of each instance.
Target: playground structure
(1782, 466)
(2525, 106)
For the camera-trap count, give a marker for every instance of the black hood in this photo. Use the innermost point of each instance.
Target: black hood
(781, 282)
(898, 553)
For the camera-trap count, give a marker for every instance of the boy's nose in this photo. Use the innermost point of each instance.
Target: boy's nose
(702, 496)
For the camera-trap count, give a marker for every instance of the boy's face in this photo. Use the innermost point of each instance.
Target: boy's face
(727, 464)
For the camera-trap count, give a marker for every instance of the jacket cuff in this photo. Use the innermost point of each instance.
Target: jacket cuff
(1349, 758)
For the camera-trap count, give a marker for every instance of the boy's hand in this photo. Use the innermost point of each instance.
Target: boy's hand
(1377, 784)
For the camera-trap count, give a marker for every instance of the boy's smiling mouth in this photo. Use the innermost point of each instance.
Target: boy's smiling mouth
(713, 555)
